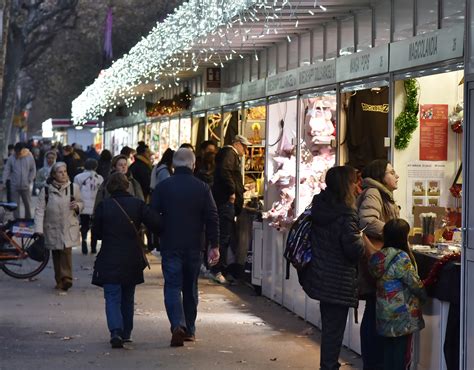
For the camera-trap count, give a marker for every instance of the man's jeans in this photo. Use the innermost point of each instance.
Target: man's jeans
(226, 232)
(119, 301)
(25, 196)
(181, 272)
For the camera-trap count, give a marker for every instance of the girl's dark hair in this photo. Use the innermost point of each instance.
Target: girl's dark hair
(339, 181)
(376, 170)
(105, 156)
(395, 235)
(167, 159)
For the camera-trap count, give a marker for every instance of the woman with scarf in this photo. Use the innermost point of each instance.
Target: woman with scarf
(141, 169)
(376, 207)
(57, 218)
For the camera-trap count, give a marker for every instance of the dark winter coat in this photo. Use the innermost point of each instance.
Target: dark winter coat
(103, 169)
(337, 245)
(206, 176)
(141, 172)
(186, 206)
(74, 165)
(228, 178)
(120, 259)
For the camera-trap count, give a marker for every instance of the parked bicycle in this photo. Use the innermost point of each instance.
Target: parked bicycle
(16, 237)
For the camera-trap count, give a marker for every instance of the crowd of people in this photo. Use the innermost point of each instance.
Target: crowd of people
(186, 206)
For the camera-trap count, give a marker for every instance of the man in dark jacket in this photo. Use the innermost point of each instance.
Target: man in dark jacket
(228, 192)
(186, 206)
(141, 169)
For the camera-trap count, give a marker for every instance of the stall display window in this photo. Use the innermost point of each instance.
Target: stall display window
(155, 137)
(174, 133)
(366, 126)
(281, 163)
(164, 136)
(148, 132)
(403, 14)
(382, 9)
(198, 129)
(430, 167)
(427, 14)
(185, 130)
(453, 13)
(317, 152)
(141, 133)
(214, 127)
(253, 128)
(230, 126)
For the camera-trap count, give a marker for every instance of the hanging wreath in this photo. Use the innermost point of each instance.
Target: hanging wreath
(433, 276)
(407, 121)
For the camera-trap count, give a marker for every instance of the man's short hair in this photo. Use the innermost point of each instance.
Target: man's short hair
(117, 182)
(184, 157)
(141, 149)
(91, 164)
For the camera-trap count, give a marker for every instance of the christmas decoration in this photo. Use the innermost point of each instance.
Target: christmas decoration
(163, 107)
(433, 275)
(456, 119)
(407, 121)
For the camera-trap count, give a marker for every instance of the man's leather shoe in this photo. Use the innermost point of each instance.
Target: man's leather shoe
(177, 338)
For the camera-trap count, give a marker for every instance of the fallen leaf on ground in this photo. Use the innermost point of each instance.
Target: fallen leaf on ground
(49, 332)
(66, 338)
(274, 359)
(307, 331)
(226, 352)
(259, 324)
(75, 350)
(242, 362)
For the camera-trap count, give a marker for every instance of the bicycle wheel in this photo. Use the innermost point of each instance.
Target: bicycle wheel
(22, 268)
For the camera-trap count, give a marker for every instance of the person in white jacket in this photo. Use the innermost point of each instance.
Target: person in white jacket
(89, 182)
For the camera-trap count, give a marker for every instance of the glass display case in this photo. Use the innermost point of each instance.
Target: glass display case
(281, 162)
(141, 134)
(199, 130)
(231, 121)
(214, 127)
(174, 133)
(317, 151)
(184, 130)
(155, 137)
(253, 128)
(164, 135)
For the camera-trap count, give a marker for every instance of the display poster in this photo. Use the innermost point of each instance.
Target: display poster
(426, 184)
(433, 132)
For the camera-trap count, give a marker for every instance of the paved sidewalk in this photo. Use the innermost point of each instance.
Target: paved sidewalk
(236, 329)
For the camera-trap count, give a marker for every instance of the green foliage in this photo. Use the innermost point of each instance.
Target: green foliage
(407, 121)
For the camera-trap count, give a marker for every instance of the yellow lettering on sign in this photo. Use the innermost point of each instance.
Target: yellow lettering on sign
(383, 108)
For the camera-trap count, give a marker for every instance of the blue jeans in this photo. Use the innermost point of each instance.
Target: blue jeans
(181, 272)
(119, 301)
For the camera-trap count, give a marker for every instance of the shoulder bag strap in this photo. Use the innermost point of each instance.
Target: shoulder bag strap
(140, 242)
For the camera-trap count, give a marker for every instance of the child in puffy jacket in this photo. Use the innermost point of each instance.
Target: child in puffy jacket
(400, 293)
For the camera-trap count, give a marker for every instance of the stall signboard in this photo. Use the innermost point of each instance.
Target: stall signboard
(370, 62)
(199, 103)
(428, 48)
(253, 90)
(232, 95)
(318, 74)
(434, 132)
(213, 100)
(282, 83)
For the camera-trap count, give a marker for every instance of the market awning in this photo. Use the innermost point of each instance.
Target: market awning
(203, 33)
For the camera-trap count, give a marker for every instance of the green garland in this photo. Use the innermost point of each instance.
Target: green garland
(407, 121)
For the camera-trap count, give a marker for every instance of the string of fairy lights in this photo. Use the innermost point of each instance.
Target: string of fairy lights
(210, 32)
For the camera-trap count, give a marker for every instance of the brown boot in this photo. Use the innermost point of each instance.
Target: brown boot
(177, 339)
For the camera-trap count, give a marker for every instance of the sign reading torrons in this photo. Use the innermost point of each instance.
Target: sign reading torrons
(365, 63)
(428, 48)
(282, 82)
(318, 74)
(253, 90)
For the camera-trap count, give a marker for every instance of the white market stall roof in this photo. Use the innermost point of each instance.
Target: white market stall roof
(202, 33)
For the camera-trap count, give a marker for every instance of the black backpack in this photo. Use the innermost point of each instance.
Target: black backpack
(298, 244)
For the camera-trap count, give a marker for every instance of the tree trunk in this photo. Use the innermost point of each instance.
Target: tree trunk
(5, 21)
(14, 57)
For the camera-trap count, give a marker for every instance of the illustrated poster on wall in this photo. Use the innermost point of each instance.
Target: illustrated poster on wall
(433, 132)
(426, 185)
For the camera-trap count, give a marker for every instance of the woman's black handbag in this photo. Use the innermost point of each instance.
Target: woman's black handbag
(37, 251)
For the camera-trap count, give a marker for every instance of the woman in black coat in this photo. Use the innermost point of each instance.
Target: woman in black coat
(337, 245)
(120, 262)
